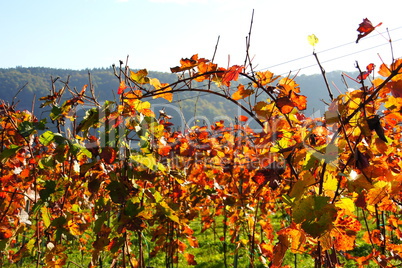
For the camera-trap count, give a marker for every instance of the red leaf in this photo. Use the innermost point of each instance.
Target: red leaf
(108, 155)
(232, 74)
(5, 233)
(190, 259)
(365, 74)
(242, 118)
(365, 28)
(121, 88)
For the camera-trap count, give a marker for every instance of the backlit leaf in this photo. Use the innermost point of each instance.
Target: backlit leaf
(365, 28)
(186, 64)
(312, 39)
(140, 76)
(315, 215)
(241, 93)
(121, 88)
(46, 216)
(232, 74)
(285, 105)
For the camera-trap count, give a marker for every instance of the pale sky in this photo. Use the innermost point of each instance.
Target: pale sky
(80, 34)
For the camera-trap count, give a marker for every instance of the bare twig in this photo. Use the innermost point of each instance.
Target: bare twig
(324, 76)
(248, 38)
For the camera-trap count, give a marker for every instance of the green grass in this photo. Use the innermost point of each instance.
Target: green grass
(210, 253)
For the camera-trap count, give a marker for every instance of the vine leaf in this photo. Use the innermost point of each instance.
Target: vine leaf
(121, 88)
(242, 118)
(161, 87)
(186, 64)
(315, 215)
(312, 39)
(232, 74)
(369, 70)
(140, 76)
(375, 124)
(280, 249)
(285, 105)
(365, 28)
(241, 93)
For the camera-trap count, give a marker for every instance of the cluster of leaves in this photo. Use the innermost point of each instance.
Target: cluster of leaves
(108, 182)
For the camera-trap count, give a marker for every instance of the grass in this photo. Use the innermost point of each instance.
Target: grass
(210, 253)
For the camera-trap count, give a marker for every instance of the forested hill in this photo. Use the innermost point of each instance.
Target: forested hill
(35, 82)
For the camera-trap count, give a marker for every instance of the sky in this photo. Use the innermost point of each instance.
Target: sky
(156, 34)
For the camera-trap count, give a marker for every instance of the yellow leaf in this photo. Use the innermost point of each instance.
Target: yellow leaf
(347, 204)
(140, 76)
(45, 216)
(74, 228)
(265, 78)
(312, 39)
(159, 88)
(330, 182)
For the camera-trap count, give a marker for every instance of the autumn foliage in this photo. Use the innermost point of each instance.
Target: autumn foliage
(119, 178)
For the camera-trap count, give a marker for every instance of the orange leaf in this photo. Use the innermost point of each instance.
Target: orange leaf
(232, 74)
(299, 101)
(161, 87)
(205, 67)
(242, 118)
(241, 93)
(192, 241)
(374, 236)
(265, 78)
(83, 90)
(186, 64)
(396, 88)
(5, 233)
(365, 28)
(148, 112)
(164, 150)
(280, 249)
(285, 105)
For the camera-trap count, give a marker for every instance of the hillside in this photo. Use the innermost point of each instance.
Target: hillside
(26, 85)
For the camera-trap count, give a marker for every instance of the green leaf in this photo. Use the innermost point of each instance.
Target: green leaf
(48, 161)
(7, 153)
(55, 113)
(50, 188)
(91, 119)
(59, 222)
(132, 209)
(77, 149)
(117, 192)
(46, 138)
(26, 128)
(99, 222)
(301, 185)
(168, 212)
(315, 215)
